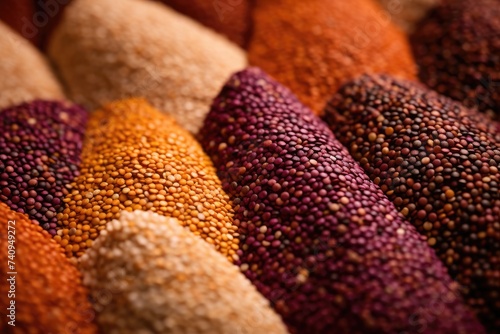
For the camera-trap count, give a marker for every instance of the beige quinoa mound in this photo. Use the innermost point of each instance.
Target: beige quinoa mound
(24, 72)
(136, 158)
(47, 290)
(162, 279)
(105, 50)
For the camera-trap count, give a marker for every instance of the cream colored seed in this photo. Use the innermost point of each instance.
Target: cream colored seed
(177, 275)
(181, 72)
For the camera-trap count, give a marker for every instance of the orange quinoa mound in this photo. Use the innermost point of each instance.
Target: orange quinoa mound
(49, 296)
(313, 46)
(136, 158)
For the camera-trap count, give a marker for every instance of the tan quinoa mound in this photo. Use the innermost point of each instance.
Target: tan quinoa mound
(24, 72)
(136, 158)
(105, 50)
(407, 13)
(49, 295)
(313, 46)
(162, 279)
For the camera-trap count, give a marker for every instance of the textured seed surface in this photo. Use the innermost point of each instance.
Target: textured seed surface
(49, 295)
(408, 13)
(439, 168)
(165, 280)
(458, 51)
(136, 158)
(313, 46)
(318, 238)
(40, 147)
(230, 18)
(25, 73)
(107, 50)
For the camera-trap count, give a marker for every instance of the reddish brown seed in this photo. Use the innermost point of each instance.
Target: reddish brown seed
(228, 17)
(458, 204)
(49, 296)
(40, 146)
(327, 247)
(313, 46)
(457, 48)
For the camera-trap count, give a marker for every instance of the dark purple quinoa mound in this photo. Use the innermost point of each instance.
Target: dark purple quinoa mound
(40, 146)
(438, 167)
(457, 48)
(319, 239)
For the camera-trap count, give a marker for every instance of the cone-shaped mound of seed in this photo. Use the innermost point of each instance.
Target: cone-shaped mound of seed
(136, 158)
(24, 71)
(163, 279)
(106, 50)
(319, 239)
(230, 18)
(440, 170)
(40, 147)
(47, 289)
(313, 46)
(408, 13)
(458, 52)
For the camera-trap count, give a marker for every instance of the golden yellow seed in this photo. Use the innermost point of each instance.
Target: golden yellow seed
(136, 158)
(431, 241)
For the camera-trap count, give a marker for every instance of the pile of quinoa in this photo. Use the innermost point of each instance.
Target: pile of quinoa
(136, 158)
(49, 295)
(228, 17)
(313, 46)
(25, 72)
(163, 279)
(40, 147)
(318, 238)
(105, 50)
(440, 169)
(408, 13)
(458, 52)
